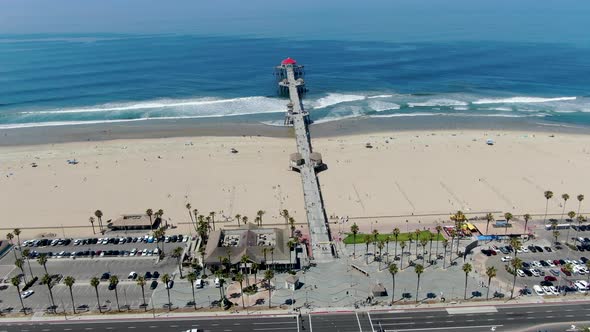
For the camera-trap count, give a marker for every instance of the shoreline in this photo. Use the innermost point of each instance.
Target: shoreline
(251, 126)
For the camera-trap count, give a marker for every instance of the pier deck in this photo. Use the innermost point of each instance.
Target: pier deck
(314, 205)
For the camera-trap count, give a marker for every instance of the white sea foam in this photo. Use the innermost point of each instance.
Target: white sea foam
(521, 100)
(380, 106)
(207, 106)
(380, 96)
(335, 98)
(438, 102)
(460, 108)
(63, 123)
(396, 115)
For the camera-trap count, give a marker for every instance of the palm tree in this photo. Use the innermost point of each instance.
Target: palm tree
(16, 283)
(354, 229)
(260, 213)
(580, 199)
(285, 214)
(244, 260)
(165, 279)
(418, 240)
(508, 216)
(21, 264)
(555, 235)
(410, 239)
(245, 219)
(150, 213)
(453, 234)
(240, 278)
(516, 245)
(580, 220)
(94, 282)
(219, 275)
(402, 245)
(489, 218)
(548, 194)
(292, 225)
(516, 264)
(177, 253)
(375, 235)
(254, 269)
(445, 243)
(423, 243)
(189, 208)
(380, 245)
(393, 270)
(268, 275)
(92, 220)
(141, 283)
(114, 281)
(26, 253)
(395, 235)
(387, 240)
(9, 237)
(46, 280)
(368, 240)
(191, 277)
(491, 273)
(70, 281)
(42, 260)
(565, 197)
(467, 268)
(438, 230)
(419, 269)
(571, 215)
(17, 232)
(212, 216)
(98, 215)
(430, 238)
(526, 217)
(272, 258)
(238, 219)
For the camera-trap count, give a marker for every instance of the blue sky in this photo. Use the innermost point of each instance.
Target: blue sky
(387, 20)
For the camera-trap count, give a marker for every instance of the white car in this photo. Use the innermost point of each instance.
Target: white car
(581, 285)
(77, 242)
(26, 294)
(105, 240)
(132, 275)
(519, 250)
(133, 252)
(506, 259)
(525, 249)
(185, 238)
(536, 264)
(156, 252)
(535, 272)
(199, 283)
(538, 290)
(554, 290)
(520, 273)
(144, 252)
(217, 283)
(550, 263)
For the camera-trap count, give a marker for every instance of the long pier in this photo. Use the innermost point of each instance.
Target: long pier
(306, 162)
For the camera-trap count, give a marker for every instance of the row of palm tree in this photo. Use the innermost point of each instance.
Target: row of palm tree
(467, 268)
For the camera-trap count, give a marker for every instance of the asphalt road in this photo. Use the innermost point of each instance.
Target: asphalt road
(470, 319)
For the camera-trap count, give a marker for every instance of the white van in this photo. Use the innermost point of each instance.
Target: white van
(538, 290)
(217, 283)
(199, 283)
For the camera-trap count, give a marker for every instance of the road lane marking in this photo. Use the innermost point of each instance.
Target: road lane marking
(274, 329)
(358, 321)
(267, 323)
(445, 328)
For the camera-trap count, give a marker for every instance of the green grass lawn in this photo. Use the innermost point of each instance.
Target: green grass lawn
(360, 237)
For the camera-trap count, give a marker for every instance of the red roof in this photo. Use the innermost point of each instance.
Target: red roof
(288, 61)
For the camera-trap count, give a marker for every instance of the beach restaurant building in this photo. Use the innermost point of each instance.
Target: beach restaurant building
(254, 242)
(134, 222)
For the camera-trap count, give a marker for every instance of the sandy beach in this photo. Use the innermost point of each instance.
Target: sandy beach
(405, 173)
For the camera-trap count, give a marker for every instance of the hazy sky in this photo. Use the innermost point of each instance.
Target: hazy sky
(395, 20)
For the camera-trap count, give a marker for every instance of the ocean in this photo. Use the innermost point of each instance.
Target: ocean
(57, 79)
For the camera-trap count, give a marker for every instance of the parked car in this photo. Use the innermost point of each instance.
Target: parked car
(566, 272)
(132, 275)
(154, 284)
(105, 276)
(27, 293)
(538, 290)
(550, 278)
(506, 259)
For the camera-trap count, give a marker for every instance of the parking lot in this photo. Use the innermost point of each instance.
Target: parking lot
(545, 267)
(83, 267)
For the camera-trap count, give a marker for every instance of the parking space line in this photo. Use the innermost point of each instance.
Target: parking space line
(310, 327)
(358, 321)
(370, 321)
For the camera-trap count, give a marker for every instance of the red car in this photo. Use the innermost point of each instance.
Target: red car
(566, 272)
(550, 278)
(556, 262)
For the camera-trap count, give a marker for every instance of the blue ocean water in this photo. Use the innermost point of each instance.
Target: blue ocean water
(65, 79)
